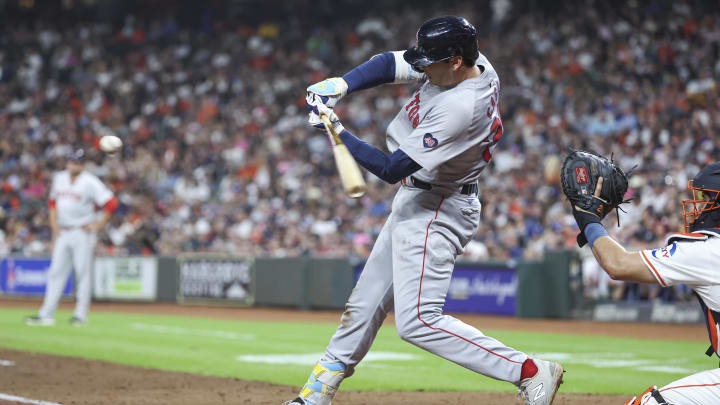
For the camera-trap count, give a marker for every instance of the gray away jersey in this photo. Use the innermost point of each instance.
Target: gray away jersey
(450, 131)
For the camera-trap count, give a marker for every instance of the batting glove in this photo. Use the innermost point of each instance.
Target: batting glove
(330, 90)
(318, 108)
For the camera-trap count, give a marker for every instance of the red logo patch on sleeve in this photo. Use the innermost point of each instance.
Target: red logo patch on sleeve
(581, 175)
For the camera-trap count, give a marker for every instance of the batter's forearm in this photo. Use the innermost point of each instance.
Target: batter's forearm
(378, 70)
(390, 168)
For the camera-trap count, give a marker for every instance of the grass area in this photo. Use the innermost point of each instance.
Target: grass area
(605, 365)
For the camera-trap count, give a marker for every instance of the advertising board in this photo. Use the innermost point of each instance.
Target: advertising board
(125, 278)
(27, 276)
(215, 278)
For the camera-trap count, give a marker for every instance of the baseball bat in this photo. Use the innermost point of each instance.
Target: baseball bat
(350, 175)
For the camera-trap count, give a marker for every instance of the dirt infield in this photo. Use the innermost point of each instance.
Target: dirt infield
(79, 381)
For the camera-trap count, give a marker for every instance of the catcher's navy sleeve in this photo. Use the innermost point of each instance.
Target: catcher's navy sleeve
(378, 70)
(390, 168)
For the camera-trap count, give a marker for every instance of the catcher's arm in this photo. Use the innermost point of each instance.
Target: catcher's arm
(617, 262)
(620, 264)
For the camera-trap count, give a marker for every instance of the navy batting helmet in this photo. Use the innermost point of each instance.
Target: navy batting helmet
(703, 209)
(442, 38)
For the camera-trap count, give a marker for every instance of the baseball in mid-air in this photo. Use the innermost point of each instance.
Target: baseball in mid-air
(110, 143)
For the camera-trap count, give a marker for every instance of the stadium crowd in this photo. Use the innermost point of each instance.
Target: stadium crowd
(218, 156)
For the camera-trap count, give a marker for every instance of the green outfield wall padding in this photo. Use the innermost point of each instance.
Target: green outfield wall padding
(330, 282)
(282, 282)
(544, 287)
(304, 283)
(167, 281)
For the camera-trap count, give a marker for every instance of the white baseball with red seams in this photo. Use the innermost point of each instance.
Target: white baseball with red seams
(75, 202)
(110, 143)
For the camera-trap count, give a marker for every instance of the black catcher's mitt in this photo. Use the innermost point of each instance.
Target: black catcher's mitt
(579, 176)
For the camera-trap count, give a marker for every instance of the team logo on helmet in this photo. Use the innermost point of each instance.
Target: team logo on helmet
(429, 141)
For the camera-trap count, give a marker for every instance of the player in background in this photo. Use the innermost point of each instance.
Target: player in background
(74, 196)
(691, 258)
(440, 142)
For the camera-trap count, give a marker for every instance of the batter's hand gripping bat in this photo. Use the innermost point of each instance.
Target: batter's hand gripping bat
(352, 180)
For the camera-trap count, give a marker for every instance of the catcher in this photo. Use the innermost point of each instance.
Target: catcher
(690, 258)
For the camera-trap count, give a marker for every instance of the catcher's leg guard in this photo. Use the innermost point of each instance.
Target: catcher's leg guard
(650, 393)
(323, 382)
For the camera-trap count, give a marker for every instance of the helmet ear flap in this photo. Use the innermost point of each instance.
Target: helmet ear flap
(473, 54)
(457, 50)
(454, 50)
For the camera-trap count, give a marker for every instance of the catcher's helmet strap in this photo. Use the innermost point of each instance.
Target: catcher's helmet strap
(658, 397)
(711, 322)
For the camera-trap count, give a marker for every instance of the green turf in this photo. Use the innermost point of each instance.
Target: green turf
(211, 346)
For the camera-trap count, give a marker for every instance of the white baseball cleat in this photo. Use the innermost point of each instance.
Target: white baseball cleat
(39, 321)
(542, 387)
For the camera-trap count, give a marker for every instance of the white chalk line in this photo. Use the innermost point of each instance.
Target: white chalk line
(618, 360)
(310, 358)
(22, 400)
(6, 363)
(176, 330)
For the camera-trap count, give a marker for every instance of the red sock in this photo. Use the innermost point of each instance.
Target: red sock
(529, 369)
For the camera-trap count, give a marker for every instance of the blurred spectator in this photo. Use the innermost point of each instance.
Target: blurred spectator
(218, 156)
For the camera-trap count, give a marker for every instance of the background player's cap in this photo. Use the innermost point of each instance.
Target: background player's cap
(442, 38)
(76, 155)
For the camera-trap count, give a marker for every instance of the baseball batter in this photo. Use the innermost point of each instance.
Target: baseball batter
(74, 196)
(690, 258)
(440, 142)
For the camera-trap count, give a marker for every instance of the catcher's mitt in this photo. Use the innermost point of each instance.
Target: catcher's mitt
(579, 176)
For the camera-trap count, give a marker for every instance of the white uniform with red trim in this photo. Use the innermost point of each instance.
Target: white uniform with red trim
(692, 259)
(451, 133)
(75, 203)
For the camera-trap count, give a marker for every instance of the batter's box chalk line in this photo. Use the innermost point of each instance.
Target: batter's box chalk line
(618, 360)
(304, 359)
(13, 398)
(175, 330)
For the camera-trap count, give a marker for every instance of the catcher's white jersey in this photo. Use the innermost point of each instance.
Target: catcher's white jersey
(75, 201)
(450, 131)
(692, 259)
